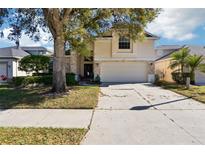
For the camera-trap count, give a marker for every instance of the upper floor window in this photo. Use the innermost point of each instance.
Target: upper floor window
(124, 42)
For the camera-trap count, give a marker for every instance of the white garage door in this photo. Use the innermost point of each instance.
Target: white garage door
(124, 72)
(3, 70)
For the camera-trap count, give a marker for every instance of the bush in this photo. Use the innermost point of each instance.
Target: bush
(157, 79)
(41, 74)
(34, 63)
(97, 79)
(70, 79)
(180, 78)
(24, 81)
(44, 79)
(17, 81)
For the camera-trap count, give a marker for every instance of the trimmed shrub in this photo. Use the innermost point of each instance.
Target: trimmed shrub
(70, 79)
(41, 74)
(97, 79)
(34, 63)
(157, 79)
(17, 81)
(44, 79)
(24, 81)
(180, 78)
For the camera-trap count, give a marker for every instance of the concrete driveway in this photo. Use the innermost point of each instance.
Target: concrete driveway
(145, 114)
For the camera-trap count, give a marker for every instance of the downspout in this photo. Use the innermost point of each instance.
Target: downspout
(16, 68)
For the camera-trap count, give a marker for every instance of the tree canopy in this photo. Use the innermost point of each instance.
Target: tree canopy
(80, 26)
(34, 63)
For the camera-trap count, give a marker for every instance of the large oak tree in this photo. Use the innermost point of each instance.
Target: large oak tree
(74, 27)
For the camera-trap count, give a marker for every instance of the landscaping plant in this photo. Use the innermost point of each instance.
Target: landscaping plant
(193, 61)
(183, 59)
(34, 63)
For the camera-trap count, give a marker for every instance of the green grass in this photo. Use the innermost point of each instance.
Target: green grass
(45, 136)
(195, 92)
(79, 97)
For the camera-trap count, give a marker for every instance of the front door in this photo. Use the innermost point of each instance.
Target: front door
(88, 71)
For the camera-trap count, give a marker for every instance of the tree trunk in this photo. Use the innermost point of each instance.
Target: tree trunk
(59, 76)
(182, 69)
(192, 77)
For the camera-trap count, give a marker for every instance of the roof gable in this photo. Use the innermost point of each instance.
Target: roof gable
(12, 52)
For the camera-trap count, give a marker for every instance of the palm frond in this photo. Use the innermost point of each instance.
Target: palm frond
(178, 58)
(194, 61)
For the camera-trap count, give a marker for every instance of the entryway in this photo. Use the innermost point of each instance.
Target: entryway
(88, 71)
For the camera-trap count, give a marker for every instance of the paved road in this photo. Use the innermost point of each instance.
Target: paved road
(144, 114)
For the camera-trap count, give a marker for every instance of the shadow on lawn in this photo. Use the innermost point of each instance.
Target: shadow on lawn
(149, 106)
(19, 98)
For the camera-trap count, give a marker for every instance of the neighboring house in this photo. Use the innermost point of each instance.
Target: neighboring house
(162, 64)
(116, 59)
(10, 57)
(9, 62)
(164, 50)
(36, 50)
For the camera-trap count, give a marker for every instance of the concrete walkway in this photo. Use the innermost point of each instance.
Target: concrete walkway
(64, 118)
(144, 114)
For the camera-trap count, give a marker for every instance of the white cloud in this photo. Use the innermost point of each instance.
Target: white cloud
(178, 24)
(26, 41)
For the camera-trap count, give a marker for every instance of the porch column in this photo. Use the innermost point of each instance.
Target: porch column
(96, 69)
(73, 63)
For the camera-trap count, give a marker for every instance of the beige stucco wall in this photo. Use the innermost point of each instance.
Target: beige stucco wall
(163, 70)
(67, 64)
(108, 48)
(102, 48)
(96, 69)
(145, 48)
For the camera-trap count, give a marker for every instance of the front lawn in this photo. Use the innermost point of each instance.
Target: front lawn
(79, 97)
(48, 136)
(195, 92)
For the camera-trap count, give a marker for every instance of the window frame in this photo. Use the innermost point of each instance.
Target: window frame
(124, 43)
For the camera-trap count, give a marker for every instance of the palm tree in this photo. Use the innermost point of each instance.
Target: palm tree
(193, 61)
(179, 59)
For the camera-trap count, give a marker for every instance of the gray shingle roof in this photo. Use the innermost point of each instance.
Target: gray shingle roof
(194, 49)
(12, 52)
(169, 47)
(33, 48)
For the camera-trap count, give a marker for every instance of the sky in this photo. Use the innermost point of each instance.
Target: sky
(173, 26)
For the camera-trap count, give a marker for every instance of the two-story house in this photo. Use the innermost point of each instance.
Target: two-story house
(117, 58)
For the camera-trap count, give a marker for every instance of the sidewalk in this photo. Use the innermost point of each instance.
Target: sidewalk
(64, 118)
